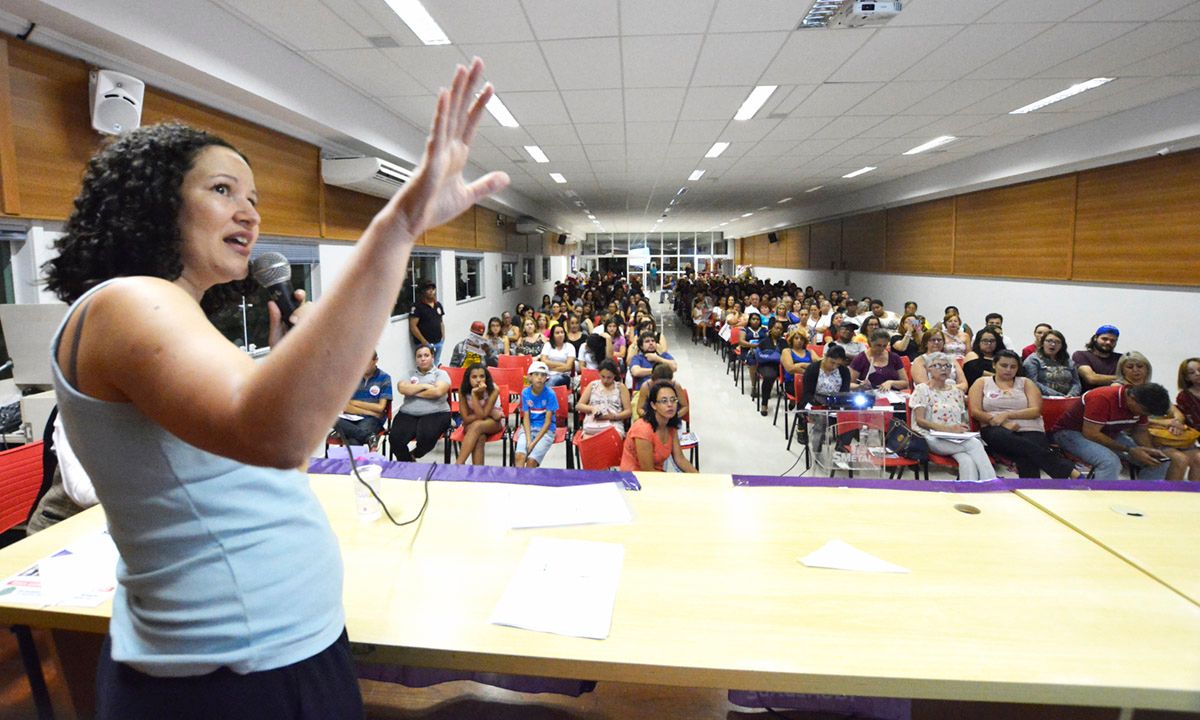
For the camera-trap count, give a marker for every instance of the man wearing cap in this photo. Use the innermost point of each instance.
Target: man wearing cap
(1098, 363)
(845, 338)
(362, 418)
(1092, 430)
(539, 408)
(475, 349)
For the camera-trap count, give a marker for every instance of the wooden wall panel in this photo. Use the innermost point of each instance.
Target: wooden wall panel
(287, 171)
(1018, 231)
(458, 234)
(489, 235)
(920, 238)
(51, 129)
(795, 242)
(864, 241)
(776, 252)
(825, 245)
(10, 195)
(1139, 222)
(347, 213)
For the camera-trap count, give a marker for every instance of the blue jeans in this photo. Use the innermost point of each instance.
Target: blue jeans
(1106, 463)
(437, 352)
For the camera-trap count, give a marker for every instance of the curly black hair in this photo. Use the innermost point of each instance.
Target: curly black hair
(126, 215)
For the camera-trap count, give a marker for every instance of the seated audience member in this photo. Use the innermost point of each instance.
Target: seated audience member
(813, 322)
(1052, 368)
(594, 352)
(1039, 331)
(796, 358)
(474, 349)
(1093, 430)
(910, 308)
(575, 333)
(1134, 369)
(827, 377)
(643, 363)
(425, 414)
(978, 362)
(798, 313)
(663, 372)
(996, 320)
(479, 407)
(511, 331)
(752, 336)
(907, 341)
(888, 320)
(543, 325)
(614, 332)
(1188, 399)
(559, 357)
(770, 352)
(605, 403)
(957, 339)
(539, 409)
(878, 367)
(363, 416)
(496, 336)
(1097, 363)
(868, 326)
(938, 405)
(845, 339)
(531, 342)
(1008, 408)
(932, 342)
(780, 316)
(71, 490)
(653, 439)
(700, 315)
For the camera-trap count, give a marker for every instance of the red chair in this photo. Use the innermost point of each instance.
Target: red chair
(586, 377)
(907, 363)
(785, 398)
(693, 446)
(20, 482)
(940, 460)
(520, 362)
(1054, 408)
(456, 378)
(601, 451)
(818, 351)
(455, 438)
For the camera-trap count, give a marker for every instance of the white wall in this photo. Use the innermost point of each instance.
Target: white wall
(1157, 322)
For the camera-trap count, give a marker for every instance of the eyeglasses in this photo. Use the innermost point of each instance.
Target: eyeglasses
(667, 401)
(944, 366)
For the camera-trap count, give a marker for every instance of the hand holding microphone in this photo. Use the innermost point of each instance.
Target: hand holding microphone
(274, 273)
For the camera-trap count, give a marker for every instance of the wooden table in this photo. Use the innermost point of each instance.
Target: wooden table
(1158, 532)
(1007, 605)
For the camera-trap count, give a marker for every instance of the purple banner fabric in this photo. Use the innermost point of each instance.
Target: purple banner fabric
(547, 477)
(953, 486)
(424, 677)
(850, 706)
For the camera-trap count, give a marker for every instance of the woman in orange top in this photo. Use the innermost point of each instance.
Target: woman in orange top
(655, 436)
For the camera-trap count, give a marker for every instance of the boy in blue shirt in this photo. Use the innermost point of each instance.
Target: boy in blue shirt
(539, 406)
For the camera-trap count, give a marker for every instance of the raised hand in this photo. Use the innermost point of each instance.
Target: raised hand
(437, 191)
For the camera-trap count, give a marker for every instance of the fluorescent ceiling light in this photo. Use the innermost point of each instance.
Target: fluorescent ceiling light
(860, 171)
(936, 142)
(418, 19)
(819, 13)
(558, 178)
(1063, 95)
(501, 113)
(716, 149)
(591, 216)
(747, 214)
(696, 175)
(764, 207)
(723, 224)
(780, 202)
(536, 153)
(754, 102)
(814, 189)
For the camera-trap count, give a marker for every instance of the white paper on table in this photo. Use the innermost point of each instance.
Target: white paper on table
(893, 397)
(841, 555)
(532, 506)
(83, 574)
(566, 587)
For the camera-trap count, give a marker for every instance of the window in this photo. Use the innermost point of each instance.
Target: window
(545, 269)
(527, 271)
(422, 269)
(468, 278)
(508, 275)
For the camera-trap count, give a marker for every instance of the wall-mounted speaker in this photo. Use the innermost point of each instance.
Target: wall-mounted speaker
(562, 239)
(773, 237)
(116, 101)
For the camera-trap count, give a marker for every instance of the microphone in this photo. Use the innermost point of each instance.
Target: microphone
(273, 271)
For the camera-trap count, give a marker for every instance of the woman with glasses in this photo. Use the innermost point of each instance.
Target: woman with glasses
(1051, 367)
(979, 362)
(934, 342)
(1008, 408)
(938, 407)
(653, 440)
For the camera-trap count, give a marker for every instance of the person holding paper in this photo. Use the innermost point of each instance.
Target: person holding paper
(938, 407)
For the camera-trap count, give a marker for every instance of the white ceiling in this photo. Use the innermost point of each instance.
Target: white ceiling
(625, 97)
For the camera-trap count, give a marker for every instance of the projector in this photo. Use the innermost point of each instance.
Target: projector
(861, 13)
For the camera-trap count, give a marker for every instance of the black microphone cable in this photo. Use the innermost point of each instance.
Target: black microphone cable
(354, 469)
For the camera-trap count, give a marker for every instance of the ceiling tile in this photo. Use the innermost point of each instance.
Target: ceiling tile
(656, 17)
(600, 133)
(431, 65)
(895, 96)
(651, 104)
(552, 19)
(749, 130)
(847, 127)
(833, 99)
(369, 70)
(811, 56)
(649, 132)
(1140, 11)
(736, 59)
(956, 96)
(1147, 41)
(1053, 47)
(562, 153)
(594, 105)
(798, 128)
(417, 109)
(891, 51)
(536, 108)
(1188, 12)
(751, 15)
(513, 66)
(940, 12)
(605, 153)
(699, 131)
(713, 103)
(585, 64)
(1019, 94)
(503, 136)
(549, 135)
(659, 60)
(688, 149)
(503, 21)
(307, 25)
(1129, 93)
(1021, 11)
(771, 148)
(1181, 60)
(975, 46)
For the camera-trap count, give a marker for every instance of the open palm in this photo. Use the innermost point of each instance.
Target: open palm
(437, 191)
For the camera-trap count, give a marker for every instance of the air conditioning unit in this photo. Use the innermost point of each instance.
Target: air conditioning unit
(863, 13)
(369, 175)
(529, 226)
